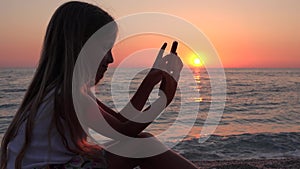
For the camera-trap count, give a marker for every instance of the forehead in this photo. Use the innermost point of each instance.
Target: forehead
(106, 35)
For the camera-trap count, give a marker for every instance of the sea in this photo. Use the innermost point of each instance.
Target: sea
(257, 114)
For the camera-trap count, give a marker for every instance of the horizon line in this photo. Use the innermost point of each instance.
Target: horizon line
(32, 67)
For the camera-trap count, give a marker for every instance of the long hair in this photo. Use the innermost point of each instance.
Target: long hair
(69, 28)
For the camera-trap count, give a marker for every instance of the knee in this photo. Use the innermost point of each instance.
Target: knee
(145, 135)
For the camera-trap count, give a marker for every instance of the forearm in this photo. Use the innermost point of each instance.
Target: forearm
(112, 112)
(144, 119)
(137, 120)
(130, 128)
(135, 105)
(168, 88)
(139, 99)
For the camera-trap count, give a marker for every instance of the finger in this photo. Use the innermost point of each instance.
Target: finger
(174, 47)
(161, 51)
(159, 56)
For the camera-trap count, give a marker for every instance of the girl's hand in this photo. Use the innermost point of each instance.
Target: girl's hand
(166, 69)
(155, 74)
(172, 65)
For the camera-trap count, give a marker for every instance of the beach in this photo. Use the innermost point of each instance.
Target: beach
(260, 121)
(216, 83)
(287, 163)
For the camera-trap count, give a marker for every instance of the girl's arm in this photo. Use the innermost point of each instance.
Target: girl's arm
(130, 127)
(98, 120)
(140, 97)
(111, 111)
(138, 101)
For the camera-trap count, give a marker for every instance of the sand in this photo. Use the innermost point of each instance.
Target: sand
(288, 163)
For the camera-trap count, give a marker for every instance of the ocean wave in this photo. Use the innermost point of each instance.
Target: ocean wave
(5, 106)
(244, 146)
(12, 90)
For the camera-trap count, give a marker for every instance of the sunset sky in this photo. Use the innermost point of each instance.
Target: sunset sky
(245, 33)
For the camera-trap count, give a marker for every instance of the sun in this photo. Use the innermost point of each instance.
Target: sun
(197, 62)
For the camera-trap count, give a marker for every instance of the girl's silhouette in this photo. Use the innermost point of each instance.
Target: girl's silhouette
(45, 131)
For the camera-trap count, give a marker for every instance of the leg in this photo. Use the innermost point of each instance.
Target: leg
(168, 159)
(119, 162)
(116, 162)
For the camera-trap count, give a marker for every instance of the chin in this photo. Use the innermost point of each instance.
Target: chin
(98, 79)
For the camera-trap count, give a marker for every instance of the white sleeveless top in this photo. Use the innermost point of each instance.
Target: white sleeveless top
(39, 153)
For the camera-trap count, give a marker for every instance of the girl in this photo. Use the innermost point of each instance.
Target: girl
(46, 133)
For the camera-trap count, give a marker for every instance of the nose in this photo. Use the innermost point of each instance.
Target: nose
(110, 58)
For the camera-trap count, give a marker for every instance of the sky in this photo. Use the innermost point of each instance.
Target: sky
(245, 33)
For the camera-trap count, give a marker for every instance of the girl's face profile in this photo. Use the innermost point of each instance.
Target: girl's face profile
(107, 43)
(107, 59)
